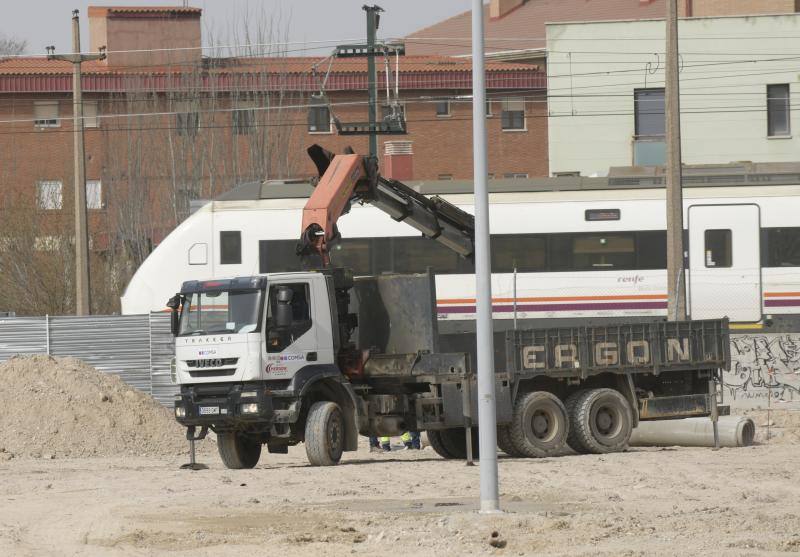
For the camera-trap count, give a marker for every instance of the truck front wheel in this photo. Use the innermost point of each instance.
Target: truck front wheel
(238, 451)
(539, 425)
(324, 434)
(601, 421)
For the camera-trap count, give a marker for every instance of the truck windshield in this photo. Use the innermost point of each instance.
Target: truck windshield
(207, 313)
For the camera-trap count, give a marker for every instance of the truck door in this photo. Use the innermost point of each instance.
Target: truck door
(724, 262)
(291, 339)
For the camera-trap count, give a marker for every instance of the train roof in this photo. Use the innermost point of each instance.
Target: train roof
(619, 178)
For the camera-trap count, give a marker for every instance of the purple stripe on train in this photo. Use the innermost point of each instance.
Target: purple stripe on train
(558, 307)
(779, 303)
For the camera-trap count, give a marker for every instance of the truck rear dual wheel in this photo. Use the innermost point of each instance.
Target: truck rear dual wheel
(539, 426)
(452, 443)
(324, 434)
(238, 451)
(601, 421)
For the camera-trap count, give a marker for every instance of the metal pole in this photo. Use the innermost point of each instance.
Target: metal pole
(487, 416)
(676, 308)
(372, 76)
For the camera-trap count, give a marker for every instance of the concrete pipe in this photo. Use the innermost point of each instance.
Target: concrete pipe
(734, 431)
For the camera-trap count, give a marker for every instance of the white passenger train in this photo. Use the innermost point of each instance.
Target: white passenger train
(567, 247)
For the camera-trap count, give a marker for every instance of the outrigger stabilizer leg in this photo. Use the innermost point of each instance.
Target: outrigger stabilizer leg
(190, 435)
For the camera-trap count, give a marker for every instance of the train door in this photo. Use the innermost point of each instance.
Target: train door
(725, 262)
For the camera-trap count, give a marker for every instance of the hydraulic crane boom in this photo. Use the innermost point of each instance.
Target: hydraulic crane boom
(350, 177)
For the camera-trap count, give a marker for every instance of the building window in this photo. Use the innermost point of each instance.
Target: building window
(648, 110)
(187, 119)
(718, 248)
(319, 117)
(230, 243)
(488, 107)
(778, 115)
(515, 175)
(49, 195)
(445, 177)
(443, 109)
(90, 119)
(45, 114)
(513, 115)
(94, 194)
(244, 119)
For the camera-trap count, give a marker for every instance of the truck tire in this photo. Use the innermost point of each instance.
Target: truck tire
(601, 421)
(504, 442)
(435, 439)
(237, 451)
(539, 425)
(324, 434)
(455, 442)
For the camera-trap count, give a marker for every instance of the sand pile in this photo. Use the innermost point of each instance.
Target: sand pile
(61, 407)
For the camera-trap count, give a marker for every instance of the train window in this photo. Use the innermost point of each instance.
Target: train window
(718, 248)
(277, 256)
(198, 254)
(651, 249)
(525, 253)
(355, 254)
(783, 247)
(230, 252)
(603, 251)
(415, 255)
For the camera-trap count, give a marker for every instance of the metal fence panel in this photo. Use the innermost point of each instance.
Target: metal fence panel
(22, 335)
(117, 344)
(162, 350)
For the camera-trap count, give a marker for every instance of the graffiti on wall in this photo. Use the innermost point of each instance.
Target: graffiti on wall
(765, 369)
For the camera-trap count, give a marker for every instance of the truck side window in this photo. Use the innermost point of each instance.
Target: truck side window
(280, 337)
(718, 248)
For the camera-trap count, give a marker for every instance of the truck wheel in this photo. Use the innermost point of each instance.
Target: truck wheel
(324, 434)
(238, 451)
(455, 442)
(601, 421)
(435, 439)
(539, 425)
(504, 442)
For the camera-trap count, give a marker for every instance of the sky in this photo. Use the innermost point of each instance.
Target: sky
(47, 22)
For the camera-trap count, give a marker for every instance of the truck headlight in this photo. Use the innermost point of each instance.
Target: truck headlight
(180, 412)
(250, 408)
(173, 371)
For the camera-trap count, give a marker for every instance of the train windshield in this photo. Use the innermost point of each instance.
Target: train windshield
(208, 313)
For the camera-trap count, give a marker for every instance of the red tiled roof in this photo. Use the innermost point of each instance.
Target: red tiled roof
(29, 74)
(452, 36)
(132, 10)
(30, 65)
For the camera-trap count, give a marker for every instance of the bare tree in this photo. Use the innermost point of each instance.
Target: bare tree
(10, 46)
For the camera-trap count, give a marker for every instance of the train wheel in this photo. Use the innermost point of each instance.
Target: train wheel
(539, 425)
(601, 421)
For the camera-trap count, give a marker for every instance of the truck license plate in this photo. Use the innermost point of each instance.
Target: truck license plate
(206, 410)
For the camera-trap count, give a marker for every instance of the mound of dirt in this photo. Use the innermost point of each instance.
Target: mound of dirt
(61, 407)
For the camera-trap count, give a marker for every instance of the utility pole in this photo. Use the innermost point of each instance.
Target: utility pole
(83, 295)
(676, 303)
(487, 406)
(373, 20)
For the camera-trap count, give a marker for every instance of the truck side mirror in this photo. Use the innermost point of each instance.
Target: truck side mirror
(174, 303)
(283, 310)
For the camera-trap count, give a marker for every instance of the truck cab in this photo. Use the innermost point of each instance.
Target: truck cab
(253, 357)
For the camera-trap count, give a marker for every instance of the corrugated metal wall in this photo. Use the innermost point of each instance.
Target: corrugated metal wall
(138, 348)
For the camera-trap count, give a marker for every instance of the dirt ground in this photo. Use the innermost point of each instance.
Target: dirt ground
(645, 502)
